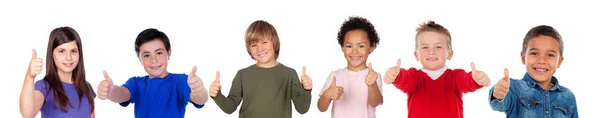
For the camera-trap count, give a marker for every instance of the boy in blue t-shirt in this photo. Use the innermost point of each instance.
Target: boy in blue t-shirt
(160, 94)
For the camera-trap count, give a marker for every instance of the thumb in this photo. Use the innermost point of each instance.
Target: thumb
(370, 67)
(506, 74)
(193, 73)
(106, 77)
(473, 69)
(334, 81)
(398, 64)
(218, 77)
(303, 70)
(33, 54)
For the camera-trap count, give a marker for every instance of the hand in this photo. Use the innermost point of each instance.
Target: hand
(392, 73)
(105, 87)
(334, 92)
(502, 87)
(371, 77)
(305, 80)
(35, 65)
(195, 83)
(215, 86)
(479, 76)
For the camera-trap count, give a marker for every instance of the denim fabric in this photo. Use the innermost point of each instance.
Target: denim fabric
(527, 99)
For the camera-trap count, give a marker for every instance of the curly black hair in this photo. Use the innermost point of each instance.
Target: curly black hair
(356, 22)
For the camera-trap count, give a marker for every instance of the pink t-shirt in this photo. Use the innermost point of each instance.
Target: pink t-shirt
(354, 101)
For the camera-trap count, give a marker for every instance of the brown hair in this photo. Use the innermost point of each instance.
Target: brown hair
(58, 37)
(543, 30)
(261, 29)
(431, 26)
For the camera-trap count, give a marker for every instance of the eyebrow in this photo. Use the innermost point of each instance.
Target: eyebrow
(358, 43)
(159, 49)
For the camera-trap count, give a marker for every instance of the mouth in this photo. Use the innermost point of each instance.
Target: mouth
(155, 67)
(355, 57)
(540, 70)
(68, 64)
(432, 59)
(261, 55)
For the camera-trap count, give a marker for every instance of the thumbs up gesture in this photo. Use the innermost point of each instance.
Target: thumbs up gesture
(35, 65)
(502, 87)
(334, 92)
(215, 86)
(392, 73)
(305, 80)
(195, 83)
(371, 77)
(479, 76)
(105, 87)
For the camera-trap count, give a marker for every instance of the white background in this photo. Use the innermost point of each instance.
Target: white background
(210, 35)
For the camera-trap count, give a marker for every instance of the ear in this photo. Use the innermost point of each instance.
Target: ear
(560, 61)
(416, 55)
(372, 49)
(523, 57)
(169, 54)
(139, 58)
(450, 53)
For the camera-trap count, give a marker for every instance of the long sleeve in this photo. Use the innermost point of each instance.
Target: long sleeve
(407, 80)
(230, 103)
(464, 81)
(300, 97)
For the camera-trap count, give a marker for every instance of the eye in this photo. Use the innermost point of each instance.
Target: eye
(74, 51)
(424, 47)
(159, 53)
(348, 46)
(61, 51)
(264, 42)
(438, 47)
(253, 45)
(533, 53)
(362, 46)
(145, 55)
(551, 55)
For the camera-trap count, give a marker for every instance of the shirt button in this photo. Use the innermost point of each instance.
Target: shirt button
(546, 94)
(547, 112)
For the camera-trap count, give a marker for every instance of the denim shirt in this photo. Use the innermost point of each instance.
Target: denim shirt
(527, 99)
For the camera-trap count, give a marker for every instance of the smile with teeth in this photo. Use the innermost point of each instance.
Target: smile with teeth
(432, 59)
(540, 69)
(355, 57)
(155, 67)
(261, 55)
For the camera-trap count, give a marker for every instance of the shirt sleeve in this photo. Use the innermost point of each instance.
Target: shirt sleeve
(464, 81)
(183, 88)
(379, 84)
(300, 97)
(131, 85)
(42, 86)
(407, 80)
(230, 103)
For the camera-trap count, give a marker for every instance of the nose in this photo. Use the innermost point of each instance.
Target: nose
(431, 51)
(154, 59)
(542, 60)
(68, 57)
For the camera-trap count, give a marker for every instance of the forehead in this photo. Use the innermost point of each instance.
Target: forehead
(152, 45)
(431, 38)
(543, 43)
(68, 45)
(356, 36)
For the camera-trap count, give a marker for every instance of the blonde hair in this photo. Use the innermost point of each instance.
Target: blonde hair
(431, 26)
(261, 29)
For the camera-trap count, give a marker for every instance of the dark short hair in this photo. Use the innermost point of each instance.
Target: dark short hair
(151, 34)
(543, 30)
(358, 23)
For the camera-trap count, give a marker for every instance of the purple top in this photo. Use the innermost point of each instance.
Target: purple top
(50, 110)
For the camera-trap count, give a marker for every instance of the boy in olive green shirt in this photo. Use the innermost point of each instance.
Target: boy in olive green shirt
(266, 87)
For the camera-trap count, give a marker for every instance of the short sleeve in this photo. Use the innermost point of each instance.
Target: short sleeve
(42, 86)
(131, 84)
(327, 83)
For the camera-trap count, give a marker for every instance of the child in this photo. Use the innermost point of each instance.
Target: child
(268, 86)
(63, 92)
(435, 90)
(538, 94)
(160, 94)
(356, 89)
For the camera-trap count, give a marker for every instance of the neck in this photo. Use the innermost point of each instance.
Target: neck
(546, 85)
(65, 77)
(356, 68)
(162, 75)
(269, 64)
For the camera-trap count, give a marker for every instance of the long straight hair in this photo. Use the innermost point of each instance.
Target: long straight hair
(58, 37)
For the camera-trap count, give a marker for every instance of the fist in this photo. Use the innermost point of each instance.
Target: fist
(392, 73)
(502, 87)
(195, 83)
(371, 77)
(305, 80)
(105, 87)
(215, 86)
(479, 76)
(35, 65)
(334, 92)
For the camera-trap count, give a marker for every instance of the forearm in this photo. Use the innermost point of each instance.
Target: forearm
(119, 94)
(375, 97)
(27, 99)
(323, 103)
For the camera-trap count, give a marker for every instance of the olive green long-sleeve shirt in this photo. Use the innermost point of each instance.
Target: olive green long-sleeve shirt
(266, 92)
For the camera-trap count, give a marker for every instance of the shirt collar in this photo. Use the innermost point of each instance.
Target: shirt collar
(532, 83)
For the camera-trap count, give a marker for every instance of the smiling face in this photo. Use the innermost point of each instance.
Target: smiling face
(542, 57)
(432, 50)
(263, 52)
(154, 56)
(66, 57)
(356, 48)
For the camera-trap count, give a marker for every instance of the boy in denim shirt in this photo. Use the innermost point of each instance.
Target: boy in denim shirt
(538, 94)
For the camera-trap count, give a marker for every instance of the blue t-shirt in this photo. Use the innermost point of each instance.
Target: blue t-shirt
(159, 97)
(49, 109)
